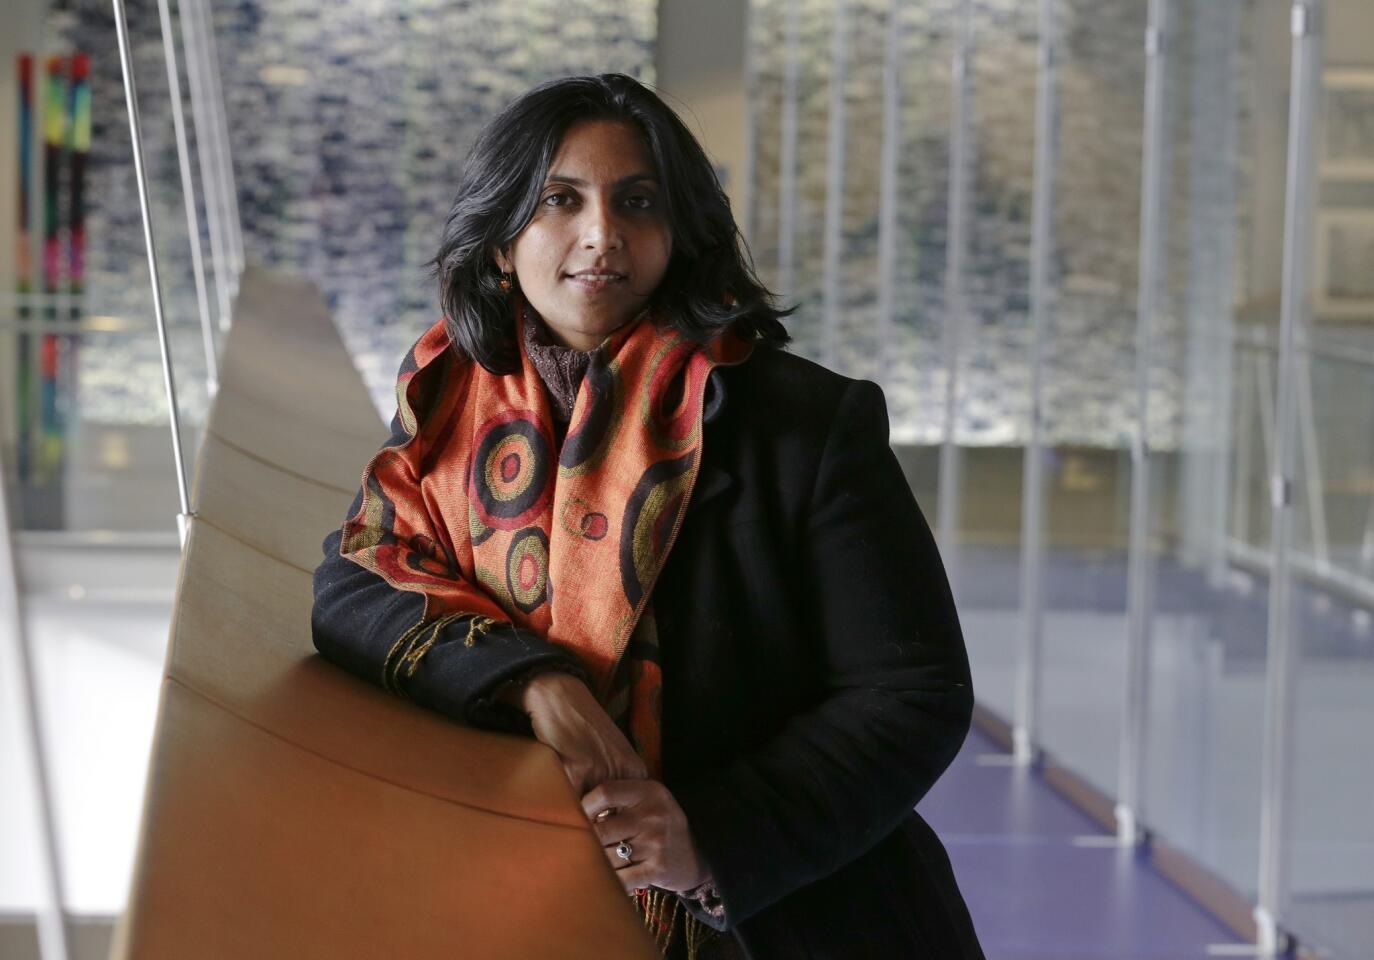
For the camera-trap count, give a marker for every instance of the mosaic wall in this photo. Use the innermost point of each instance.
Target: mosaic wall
(348, 125)
(1090, 352)
(347, 132)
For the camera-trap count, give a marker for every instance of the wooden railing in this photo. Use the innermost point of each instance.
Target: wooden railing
(291, 809)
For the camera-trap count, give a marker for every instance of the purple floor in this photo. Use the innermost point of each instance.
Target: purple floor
(1036, 885)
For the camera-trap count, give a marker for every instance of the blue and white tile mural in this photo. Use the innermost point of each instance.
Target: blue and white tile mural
(1090, 353)
(348, 123)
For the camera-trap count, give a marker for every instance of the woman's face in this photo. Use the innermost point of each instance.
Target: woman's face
(599, 242)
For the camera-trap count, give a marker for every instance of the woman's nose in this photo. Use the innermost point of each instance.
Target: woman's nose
(601, 228)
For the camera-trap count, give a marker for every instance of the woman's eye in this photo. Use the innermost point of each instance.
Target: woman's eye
(640, 202)
(556, 199)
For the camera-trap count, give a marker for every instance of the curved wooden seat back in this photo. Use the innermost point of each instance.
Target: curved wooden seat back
(291, 809)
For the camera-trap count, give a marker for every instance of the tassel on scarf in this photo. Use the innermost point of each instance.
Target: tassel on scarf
(410, 647)
(662, 912)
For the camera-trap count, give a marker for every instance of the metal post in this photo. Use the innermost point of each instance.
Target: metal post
(956, 304)
(1283, 661)
(1245, 416)
(1311, 458)
(1139, 577)
(140, 175)
(889, 196)
(226, 158)
(833, 242)
(746, 192)
(207, 154)
(1264, 391)
(787, 154)
(51, 922)
(1366, 562)
(188, 196)
(1025, 723)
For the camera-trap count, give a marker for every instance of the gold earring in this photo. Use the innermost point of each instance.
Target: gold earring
(506, 282)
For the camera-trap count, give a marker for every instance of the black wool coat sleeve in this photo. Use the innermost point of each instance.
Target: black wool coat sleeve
(357, 617)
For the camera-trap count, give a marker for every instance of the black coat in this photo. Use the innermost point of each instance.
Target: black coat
(815, 678)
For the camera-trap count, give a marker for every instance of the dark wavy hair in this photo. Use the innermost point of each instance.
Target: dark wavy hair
(499, 190)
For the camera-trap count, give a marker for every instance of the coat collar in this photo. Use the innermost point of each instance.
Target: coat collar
(712, 479)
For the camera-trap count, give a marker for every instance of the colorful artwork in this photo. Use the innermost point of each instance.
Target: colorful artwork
(48, 454)
(24, 267)
(45, 355)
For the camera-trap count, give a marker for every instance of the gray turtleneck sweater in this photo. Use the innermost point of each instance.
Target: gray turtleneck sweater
(561, 368)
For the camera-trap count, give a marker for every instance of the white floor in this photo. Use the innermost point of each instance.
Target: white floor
(99, 661)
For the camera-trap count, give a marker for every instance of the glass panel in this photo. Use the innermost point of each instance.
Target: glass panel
(1212, 400)
(1330, 883)
(87, 454)
(1089, 398)
(1332, 880)
(994, 375)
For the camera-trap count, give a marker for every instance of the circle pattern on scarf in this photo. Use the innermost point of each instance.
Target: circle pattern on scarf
(425, 555)
(669, 406)
(510, 471)
(527, 568)
(581, 520)
(650, 515)
(589, 438)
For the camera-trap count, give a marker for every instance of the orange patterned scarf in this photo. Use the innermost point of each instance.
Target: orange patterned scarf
(480, 511)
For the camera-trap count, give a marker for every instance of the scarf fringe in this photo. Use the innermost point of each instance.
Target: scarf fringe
(662, 910)
(410, 647)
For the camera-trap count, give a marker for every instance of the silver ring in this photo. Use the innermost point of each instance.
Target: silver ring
(624, 851)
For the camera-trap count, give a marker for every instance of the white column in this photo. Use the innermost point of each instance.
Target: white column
(956, 305)
(1276, 777)
(1140, 565)
(1025, 723)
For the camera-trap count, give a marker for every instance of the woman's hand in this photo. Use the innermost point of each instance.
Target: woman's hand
(566, 716)
(644, 814)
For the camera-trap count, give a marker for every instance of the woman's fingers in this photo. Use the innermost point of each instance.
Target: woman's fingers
(645, 813)
(644, 866)
(625, 811)
(621, 794)
(624, 825)
(643, 849)
(566, 716)
(637, 877)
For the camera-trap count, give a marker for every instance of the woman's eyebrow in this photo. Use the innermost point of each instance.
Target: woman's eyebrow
(622, 182)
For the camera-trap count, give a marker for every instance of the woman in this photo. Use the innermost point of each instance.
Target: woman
(616, 516)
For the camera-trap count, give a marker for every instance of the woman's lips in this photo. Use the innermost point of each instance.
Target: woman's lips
(596, 283)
